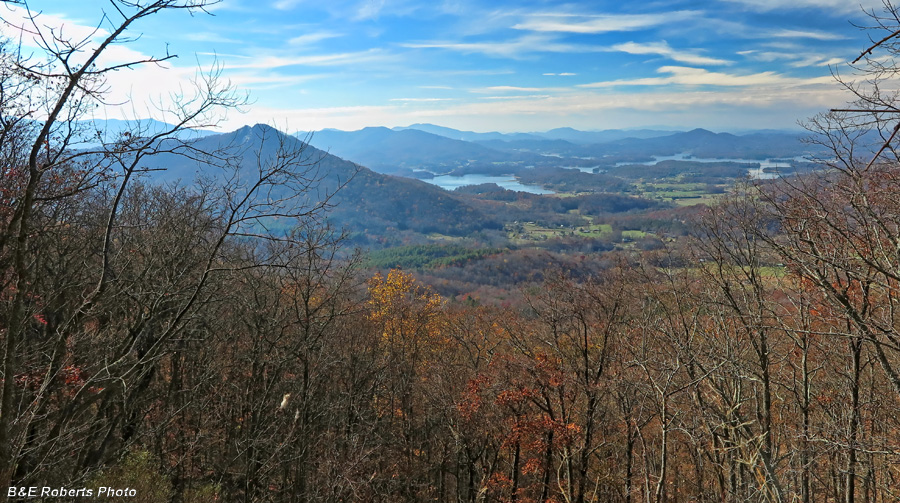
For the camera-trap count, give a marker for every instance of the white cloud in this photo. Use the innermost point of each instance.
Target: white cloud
(312, 38)
(517, 97)
(495, 89)
(121, 54)
(471, 73)
(420, 100)
(834, 6)
(763, 107)
(731, 29)
(564, 74)
(140, 91)
(516, 90)
(369, 9)
(223, 5)
(287, 4)
(271, 80)
(17, 25)
(794, 59)
(516, 48)
(832, 62)
(603, 23)
(689, 109)
(663, 49)
(812, 34)
(816, 60)
(337, 59)
(686, 76)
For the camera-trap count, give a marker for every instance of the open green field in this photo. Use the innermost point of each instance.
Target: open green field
(529, 231)
(682, 194)
(633, 234)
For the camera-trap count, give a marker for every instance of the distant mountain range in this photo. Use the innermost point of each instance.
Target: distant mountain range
(443, 150)
(590, 137)
(706, 144)
(566, 133)
(422, 149)
(378, 209)
(456, 134)
(402, 151)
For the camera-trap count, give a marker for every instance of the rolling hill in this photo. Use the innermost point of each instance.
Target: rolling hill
(389, 151)
(591, 137)
(456, 134)
(439, 150)
(706, 144)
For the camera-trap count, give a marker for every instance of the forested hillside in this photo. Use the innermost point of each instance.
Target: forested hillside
(181, 318)
(371, 206)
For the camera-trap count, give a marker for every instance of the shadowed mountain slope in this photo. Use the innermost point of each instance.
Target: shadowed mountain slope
(366, 204)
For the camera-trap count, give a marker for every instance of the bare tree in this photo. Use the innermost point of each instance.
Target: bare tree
(105, 278)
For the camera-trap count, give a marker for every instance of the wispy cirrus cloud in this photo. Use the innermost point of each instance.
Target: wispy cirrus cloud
(369, 9)
(517, 97)
(312, 38)
(353, 10)
(287, 4)
(334, 59)
(738, 28)
(795, 59)
(687, 76)
(810, 34)
(533, 111)
(817, 60)
(836, 6)
(516, 89)
(760, 107)
(691, 57)
(420, 100)
(272, 80)
(515, 48)
(600, 23)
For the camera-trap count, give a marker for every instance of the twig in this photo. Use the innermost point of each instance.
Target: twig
(875, 46)
(887, 143)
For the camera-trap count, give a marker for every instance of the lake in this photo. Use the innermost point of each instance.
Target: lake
(451, 182)
(757, 173)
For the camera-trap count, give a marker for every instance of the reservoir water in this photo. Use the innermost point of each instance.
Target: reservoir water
(450, 182)
(757, 173)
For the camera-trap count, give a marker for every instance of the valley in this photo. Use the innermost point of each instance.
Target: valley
(450, 207)
(563, 195)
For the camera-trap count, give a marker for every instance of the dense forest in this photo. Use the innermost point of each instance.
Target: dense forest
(169, 339)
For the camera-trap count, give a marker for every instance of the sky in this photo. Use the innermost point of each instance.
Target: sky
(484, 65)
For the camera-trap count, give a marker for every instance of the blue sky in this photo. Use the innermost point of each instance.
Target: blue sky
(495, 65)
